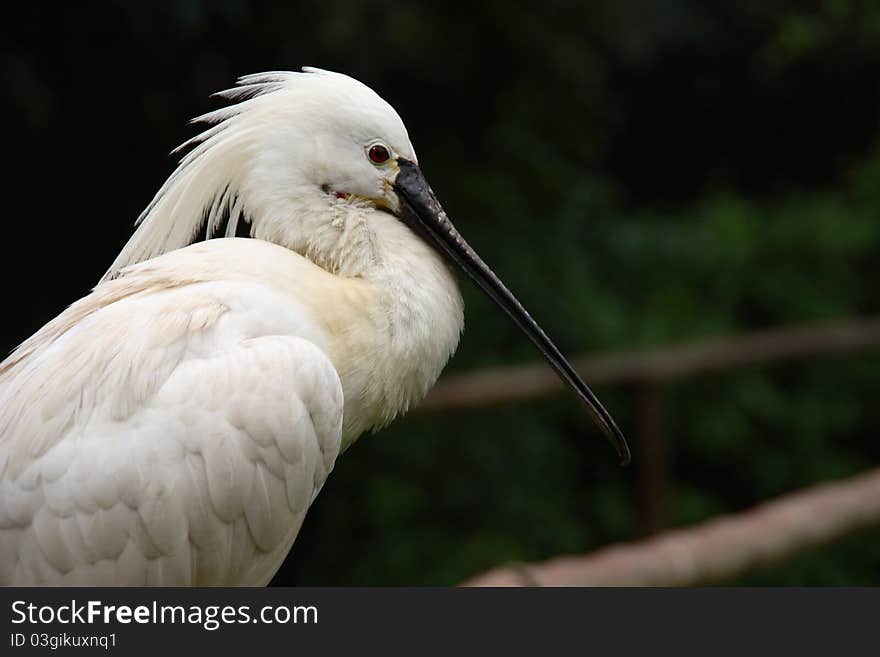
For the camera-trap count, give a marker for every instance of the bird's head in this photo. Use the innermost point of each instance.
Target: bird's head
(317, 136)
(270, 165)
(298, 151)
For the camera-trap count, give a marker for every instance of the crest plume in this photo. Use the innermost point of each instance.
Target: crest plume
(201, 199)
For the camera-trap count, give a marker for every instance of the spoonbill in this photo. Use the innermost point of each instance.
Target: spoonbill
(174, 426)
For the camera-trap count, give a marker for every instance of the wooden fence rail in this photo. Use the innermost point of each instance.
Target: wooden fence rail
(535, 380)
(718, 550)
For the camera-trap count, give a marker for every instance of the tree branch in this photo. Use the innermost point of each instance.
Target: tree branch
(717, 550)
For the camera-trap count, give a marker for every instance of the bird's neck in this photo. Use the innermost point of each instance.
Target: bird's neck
(424, 311)
(394, 348)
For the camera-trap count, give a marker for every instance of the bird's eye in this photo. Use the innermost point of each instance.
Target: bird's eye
(379, 154)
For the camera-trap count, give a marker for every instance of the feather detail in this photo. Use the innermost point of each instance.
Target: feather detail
(208, 179)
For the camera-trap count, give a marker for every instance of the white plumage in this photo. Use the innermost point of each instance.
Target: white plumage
(174, 426)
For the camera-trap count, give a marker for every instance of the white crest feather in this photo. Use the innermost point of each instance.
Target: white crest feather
(204, 186)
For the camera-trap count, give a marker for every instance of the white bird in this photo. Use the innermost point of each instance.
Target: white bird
(174, 426)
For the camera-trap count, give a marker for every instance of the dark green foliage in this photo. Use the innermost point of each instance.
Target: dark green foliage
(638, 172)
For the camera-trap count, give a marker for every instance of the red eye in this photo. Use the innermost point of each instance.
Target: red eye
(379, 154)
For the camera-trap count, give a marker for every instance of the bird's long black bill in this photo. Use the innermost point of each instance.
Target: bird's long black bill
(422, 212)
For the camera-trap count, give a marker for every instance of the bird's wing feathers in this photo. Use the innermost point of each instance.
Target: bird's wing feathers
(163, 435)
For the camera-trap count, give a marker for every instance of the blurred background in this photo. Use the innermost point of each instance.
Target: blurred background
(642, 174)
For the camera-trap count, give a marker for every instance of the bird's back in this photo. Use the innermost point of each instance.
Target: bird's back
(172, 428)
